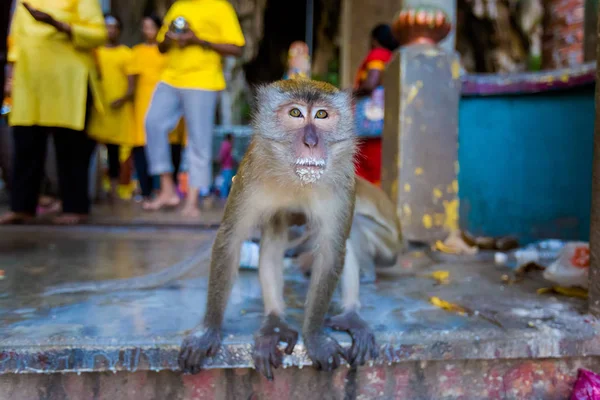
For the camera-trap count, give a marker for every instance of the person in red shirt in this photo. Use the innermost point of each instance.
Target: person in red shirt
(369, 105)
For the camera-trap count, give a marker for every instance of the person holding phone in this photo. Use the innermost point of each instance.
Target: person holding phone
(196, 34)
(148, 65)
(55, 81)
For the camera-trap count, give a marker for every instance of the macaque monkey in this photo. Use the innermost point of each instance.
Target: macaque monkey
(300, 164)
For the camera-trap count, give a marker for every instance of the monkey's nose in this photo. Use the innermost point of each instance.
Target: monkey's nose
(311, 139)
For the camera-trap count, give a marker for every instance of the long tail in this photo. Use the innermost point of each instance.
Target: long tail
(149, 281)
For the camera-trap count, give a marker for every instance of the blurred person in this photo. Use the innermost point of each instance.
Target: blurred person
(369, 104)
(113, 127)
(227, 164)
(55, 83)
(4, 22)
(148, 63)
(189, 87)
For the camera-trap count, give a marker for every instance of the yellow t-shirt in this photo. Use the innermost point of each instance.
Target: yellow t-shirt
(194, 67)
(114, 126)
(148, 64)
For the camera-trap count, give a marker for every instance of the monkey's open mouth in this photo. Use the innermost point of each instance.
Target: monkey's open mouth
(309, 170)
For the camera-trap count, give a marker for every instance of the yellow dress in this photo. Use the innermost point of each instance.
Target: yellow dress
(52, 72)
(148, 63)
(114, 126)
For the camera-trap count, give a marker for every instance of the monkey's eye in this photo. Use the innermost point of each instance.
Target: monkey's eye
(295, 113)
(321, 114)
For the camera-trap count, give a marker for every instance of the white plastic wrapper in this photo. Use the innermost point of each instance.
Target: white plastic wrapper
(572, 266)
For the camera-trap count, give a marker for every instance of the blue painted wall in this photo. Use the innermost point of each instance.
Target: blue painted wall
(526, 164)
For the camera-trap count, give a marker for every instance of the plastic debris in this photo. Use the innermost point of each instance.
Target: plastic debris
(571, 267)
(587, 386)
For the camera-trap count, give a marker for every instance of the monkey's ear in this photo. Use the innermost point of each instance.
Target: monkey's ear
(267, 96)
(260, 93)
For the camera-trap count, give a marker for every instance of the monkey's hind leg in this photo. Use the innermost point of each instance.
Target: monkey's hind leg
(273, 329)
(363, 339)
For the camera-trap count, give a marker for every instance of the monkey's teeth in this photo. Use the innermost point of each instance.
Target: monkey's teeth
(310, 162)
(309, 175)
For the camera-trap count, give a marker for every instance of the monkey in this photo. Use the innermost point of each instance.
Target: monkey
(303, 166)
(300, 161)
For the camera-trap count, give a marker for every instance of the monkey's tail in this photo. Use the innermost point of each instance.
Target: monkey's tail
(149, 281)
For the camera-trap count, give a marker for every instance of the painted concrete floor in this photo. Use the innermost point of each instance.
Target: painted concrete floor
(142, 329)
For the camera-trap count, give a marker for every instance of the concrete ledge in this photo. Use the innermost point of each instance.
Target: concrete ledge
(141, 330)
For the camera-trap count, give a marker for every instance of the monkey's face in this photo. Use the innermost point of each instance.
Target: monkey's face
(309, 127)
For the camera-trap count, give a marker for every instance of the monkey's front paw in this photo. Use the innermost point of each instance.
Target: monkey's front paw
(324, 351)
(363, 339)
(266, 352)
(196, 347)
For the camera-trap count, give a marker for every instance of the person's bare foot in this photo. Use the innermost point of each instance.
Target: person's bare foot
(15, 218)
(70, 219)
(191, 211)
(46, 201)
(162, 201)
(51, 208)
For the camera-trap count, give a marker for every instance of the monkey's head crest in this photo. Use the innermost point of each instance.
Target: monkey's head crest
(308, 126)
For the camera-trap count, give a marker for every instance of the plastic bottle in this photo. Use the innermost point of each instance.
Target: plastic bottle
(543, 253)
(249, 255)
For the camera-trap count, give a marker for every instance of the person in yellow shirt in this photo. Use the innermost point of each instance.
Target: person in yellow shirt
(196, 34)
(53, 67)
(114, 127)
(147, 66)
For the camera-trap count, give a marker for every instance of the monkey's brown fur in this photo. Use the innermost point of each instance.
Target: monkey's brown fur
(300, 161)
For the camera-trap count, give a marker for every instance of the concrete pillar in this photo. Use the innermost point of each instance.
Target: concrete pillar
(420, 140)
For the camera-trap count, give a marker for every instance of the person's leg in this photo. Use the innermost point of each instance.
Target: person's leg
(73, 152)
(199, 112)
(141, 169)
(162, 117)
(114, 168)
(6, 149)
(29, 157)
(176, 160)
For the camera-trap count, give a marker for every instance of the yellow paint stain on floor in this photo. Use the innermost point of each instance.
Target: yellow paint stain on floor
(437, 193)
(407, 187)
(419, 171)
